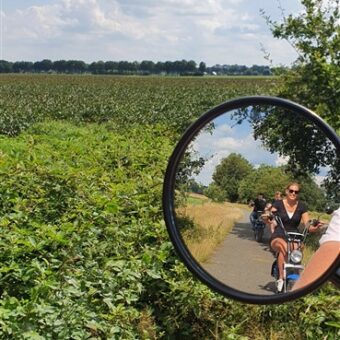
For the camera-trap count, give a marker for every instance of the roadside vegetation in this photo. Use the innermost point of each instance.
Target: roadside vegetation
(207, 224)
(84, 249)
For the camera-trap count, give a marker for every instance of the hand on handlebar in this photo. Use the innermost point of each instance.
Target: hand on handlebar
(315, 225)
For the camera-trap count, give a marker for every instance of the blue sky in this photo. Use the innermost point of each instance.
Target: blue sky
(214, 31)
(226, 138)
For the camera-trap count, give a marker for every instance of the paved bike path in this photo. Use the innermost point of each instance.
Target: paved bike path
(242, 263)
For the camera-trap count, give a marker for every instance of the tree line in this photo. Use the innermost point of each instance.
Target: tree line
(145, 67)
(236, 180)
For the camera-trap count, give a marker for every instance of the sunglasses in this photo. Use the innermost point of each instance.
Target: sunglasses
(296, 192)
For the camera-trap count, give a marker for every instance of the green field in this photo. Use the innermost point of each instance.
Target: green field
(84, 249)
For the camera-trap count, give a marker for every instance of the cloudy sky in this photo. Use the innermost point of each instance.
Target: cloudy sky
(228, 137)
(213, 31)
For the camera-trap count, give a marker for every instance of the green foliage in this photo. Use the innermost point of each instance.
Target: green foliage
(84, 249)
(305, 148)
(195, 187)
(314, 81)
(312, 194)
(173, 102)
(315, 35)
(265, 179)
(268, 179)
(229, 173)
(65, 202)
(215, 192)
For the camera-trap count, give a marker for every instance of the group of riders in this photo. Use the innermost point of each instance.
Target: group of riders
(260, 205)
(291, 212)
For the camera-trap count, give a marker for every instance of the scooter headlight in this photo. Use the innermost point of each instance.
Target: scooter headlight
(296, 256)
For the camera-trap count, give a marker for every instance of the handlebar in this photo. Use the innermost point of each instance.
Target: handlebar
(301, 236)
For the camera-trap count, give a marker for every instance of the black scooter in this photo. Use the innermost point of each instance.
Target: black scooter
(259, 226)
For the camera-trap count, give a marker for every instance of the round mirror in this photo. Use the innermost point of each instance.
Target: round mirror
(235, 183)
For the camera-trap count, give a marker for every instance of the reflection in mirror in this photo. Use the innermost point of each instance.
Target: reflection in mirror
(231, 161)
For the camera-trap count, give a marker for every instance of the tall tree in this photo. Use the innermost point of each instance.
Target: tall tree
(43, 65)
(266, 179)
(22, 66)
(229, 173)
(6, 66)
(314, 80)
(202, 67)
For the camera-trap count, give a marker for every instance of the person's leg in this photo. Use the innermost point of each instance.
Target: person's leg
(280, 245)
(252, 218)
(319, 262)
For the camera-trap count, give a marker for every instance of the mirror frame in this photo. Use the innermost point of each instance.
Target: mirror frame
(169, 189)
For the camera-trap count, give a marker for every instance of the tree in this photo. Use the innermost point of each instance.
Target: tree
(22, 66)
(190, 66)
(111, 66)
(229, 173)
(60, 66)
(100, 67)
(43, 66)
(78, 66)
(147, 66)
(5, 66)
(314, 81)
(202, 67)
(195, 187)
(312, 194)
(269, 179)
(216, 193)
(266, 179)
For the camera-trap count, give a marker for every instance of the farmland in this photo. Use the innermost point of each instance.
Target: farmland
(84, 249)
(172, 102)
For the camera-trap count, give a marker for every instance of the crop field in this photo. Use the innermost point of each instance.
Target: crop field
(172, 102)
(84, 249)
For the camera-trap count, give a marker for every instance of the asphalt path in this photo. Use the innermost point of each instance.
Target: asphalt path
(243, 263)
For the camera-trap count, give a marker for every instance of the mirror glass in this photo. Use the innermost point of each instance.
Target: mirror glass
(235, 157)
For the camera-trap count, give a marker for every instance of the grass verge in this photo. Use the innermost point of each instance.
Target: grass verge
(211, 222)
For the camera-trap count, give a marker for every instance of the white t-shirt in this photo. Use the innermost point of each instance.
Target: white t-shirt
(333, 231)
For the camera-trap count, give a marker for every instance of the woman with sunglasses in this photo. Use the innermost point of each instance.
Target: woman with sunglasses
(292, 212)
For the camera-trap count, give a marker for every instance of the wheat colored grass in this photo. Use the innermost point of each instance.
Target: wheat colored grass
(213, 221)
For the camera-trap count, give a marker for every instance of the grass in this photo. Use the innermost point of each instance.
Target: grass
(197, 199)
(211, 223)
(312, 240)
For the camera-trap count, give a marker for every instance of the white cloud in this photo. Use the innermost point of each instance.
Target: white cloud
(215, 31)
(319, 179)
(281, 160)
(225, 140)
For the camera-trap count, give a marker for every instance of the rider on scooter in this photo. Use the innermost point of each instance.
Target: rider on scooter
(292, 212)
(258, 205)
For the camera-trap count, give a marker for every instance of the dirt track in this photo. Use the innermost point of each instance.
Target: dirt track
(241, 262)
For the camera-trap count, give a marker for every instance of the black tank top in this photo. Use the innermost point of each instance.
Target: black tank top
(290, 224)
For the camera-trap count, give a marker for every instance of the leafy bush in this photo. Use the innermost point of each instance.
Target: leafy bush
(84, 249)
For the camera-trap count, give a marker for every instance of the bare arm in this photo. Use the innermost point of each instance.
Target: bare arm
(269, 222)
(318, 264)
(305, 218)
